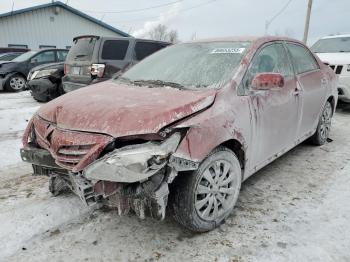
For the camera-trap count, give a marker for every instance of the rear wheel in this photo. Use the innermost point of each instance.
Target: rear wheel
(324, 126)
(203, 199)
(15, 83)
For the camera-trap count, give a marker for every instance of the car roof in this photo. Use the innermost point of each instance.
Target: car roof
(256, 39)
(49, 49)
(335, 36)
(121, 37)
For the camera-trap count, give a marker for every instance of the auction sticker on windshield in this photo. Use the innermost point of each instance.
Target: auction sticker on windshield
(228, 51)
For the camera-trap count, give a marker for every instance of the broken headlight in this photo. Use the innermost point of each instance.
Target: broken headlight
(133, 163)
(140, 157)
(42, 73)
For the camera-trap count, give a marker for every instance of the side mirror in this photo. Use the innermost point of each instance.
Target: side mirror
(33, 61)
(265, 81)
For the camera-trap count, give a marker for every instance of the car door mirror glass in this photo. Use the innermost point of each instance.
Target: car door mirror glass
(265, 81)
(33, 61)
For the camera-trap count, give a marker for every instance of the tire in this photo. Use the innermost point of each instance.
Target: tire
(203, 199)
(41, 99)
(15, 83)
(324, 126)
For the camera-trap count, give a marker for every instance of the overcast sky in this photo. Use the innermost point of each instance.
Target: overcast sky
(211, 18)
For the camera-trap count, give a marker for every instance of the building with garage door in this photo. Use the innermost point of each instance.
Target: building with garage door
(50, 25)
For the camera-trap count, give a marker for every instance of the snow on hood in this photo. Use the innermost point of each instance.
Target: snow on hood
(335, 58)
(121, 110)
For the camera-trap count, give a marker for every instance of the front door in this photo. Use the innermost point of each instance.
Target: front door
(275, 112)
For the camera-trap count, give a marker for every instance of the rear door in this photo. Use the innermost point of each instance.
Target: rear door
(116, 54)
(275, 112)
(312, 85)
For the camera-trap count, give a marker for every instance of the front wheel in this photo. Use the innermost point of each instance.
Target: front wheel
(203, 199)
(324, 126)
(15, 83)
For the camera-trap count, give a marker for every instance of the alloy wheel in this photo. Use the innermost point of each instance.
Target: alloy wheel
(326, 120)
(17, 83)
(216, 190)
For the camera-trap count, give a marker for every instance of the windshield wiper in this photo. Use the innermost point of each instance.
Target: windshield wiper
(159, 83)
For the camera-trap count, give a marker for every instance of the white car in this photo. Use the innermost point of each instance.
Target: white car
(335, 51)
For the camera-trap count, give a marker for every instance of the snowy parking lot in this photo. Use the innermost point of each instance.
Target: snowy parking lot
(295, 209)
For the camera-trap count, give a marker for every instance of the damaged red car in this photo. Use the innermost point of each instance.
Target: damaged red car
(182, 129)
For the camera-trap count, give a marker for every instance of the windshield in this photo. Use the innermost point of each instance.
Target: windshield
(332, 45)
(192, 65)
(25, 56)
(82, 49)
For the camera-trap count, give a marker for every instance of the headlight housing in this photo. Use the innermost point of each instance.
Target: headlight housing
(42, 73)
(138, 157)
(133, 163)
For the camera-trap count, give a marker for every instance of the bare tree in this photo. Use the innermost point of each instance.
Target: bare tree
(173, 36)
(162, 33)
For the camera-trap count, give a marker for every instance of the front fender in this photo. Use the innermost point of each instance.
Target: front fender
(200, 141)
(227, 119)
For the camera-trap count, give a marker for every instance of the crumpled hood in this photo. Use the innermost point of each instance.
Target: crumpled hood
(121, 110)
(7, 66)
(335, 58)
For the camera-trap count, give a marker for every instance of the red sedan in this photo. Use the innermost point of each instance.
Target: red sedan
(185, 127)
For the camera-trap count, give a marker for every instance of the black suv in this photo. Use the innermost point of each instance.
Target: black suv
(13, 74)
(94, 59)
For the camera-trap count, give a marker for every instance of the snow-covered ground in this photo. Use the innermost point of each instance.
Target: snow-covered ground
(295, 209)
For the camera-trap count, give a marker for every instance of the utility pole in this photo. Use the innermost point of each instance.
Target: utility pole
(307, 21)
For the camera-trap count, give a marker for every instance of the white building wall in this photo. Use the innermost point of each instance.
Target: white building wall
(54, 26)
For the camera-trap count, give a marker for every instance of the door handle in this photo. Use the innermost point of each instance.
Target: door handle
(296, 92)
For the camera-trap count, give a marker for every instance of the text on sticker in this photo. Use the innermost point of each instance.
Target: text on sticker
(228, 51)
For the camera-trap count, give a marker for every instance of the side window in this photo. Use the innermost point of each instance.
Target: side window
(45, 57)
(115, 49)
(271, 59)
(144, 49)
(61, 56)
(302, 58)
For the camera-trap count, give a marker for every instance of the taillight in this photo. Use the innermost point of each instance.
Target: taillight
(65, 69)
(97, 70)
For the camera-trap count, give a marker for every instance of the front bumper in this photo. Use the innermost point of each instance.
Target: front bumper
(38, 156)
(149, 198)
(344, 88)
(43, 88)
(3, 80)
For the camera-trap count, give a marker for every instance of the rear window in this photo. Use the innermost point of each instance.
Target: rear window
(302, 59)
(61, 55)
(144, 49)
(115, 49)
(82, 49)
